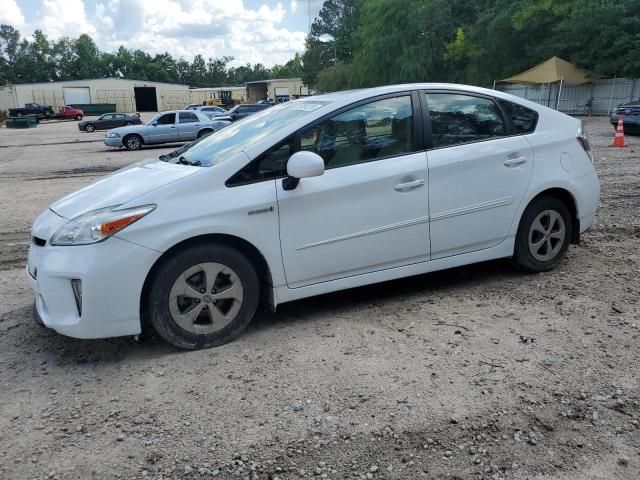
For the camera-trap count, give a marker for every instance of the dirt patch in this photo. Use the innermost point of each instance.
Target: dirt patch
(478, 372)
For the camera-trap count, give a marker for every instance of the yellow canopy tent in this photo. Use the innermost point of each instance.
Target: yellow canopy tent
(554, 70)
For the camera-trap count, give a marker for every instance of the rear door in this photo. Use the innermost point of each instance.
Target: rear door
(163, 130)
(479, 171)
(188, 126)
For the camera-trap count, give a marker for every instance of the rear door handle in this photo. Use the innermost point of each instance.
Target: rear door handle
(405, 187)
(514, 162)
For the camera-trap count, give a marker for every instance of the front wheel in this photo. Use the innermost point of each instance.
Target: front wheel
(78, 117)
(204, 133)
(132, 142)
(203, 296)
(543, 235)
(89, 128)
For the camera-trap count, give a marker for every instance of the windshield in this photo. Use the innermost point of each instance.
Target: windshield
(154, 118)
(239, 136)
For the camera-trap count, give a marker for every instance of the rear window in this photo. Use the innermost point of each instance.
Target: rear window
(523, 119)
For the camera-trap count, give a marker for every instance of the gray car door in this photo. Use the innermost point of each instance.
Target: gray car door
(188, 126)
(163, 129)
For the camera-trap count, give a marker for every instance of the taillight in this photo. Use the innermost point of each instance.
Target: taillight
(584, 142)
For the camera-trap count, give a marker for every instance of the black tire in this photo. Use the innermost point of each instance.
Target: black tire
(90, 128)
(132, 142)
(78, 117)
(127, 124)
(160, 316)
(204, 132)
(523, 256)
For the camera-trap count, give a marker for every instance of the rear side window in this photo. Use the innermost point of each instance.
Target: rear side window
(457, 118)
(188, 117)
(523, 119)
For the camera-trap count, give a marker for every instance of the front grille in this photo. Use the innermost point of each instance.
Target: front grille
(40, 242)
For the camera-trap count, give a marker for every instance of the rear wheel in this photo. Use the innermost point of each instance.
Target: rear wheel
(543, 235)
(203, 133)
(132, 142)
(203, 296)
(89, 127)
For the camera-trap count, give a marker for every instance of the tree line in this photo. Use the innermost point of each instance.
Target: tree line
(358, 43)
(377, 42)
(40, 59)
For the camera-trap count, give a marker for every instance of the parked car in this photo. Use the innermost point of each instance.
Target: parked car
(241, 111)
(42, 111)
(164, 127)
(109, 120)
(630, 113)
(212, 109)
(308, 197)
(193, 106)
(70, 112)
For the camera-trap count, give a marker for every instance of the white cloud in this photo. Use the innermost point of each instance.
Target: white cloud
(11, 14)
(64, 18)
(183, 28)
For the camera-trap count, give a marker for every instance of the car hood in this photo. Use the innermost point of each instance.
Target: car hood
(141, 129)
(121, 187)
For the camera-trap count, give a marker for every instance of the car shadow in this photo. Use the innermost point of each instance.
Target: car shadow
(60, 350)
(159, 146)
(309, 309)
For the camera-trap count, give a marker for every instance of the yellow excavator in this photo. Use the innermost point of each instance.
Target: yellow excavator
(223, 98)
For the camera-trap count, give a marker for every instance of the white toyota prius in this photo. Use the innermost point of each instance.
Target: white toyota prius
(309, 197)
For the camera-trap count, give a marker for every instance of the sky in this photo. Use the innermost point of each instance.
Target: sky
(265, 31)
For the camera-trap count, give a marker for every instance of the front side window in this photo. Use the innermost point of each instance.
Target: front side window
(457, 118)
(167, 119)
(524, 119)
(383, 128)
(187, 117)
(271, 164)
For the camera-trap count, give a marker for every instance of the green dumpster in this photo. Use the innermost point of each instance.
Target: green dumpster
(91, 109)
(13, 122)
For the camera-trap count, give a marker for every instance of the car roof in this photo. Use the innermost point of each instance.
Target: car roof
(365, 93)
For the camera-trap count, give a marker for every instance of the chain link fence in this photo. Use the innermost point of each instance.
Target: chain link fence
(597, 98)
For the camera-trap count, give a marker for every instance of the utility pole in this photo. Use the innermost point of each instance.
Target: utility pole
(309, 13)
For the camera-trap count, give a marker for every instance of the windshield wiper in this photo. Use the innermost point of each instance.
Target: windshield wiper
(186, 161)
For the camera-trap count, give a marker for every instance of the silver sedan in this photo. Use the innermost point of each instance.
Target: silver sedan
(164, 127)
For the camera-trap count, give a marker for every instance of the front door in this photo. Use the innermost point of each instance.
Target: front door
(477, 174)
(369, 211)
(164, 129)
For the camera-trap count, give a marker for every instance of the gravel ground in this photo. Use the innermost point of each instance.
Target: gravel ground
(479, 372)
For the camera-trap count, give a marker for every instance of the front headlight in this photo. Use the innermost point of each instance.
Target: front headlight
(113, 135)
(96, 226)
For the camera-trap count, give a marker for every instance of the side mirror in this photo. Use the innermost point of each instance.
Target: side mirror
(155, 124)
(302, 165)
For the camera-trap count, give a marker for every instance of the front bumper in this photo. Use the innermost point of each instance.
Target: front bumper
(112, 142)
(112, 275)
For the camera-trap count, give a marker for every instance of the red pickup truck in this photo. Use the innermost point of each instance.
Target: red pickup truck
(70, 112)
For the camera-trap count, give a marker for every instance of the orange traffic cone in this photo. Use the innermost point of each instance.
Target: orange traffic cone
(618, 140)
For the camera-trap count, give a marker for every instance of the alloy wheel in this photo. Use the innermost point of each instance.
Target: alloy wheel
(547, 235)
(133, 143)
(206, 298)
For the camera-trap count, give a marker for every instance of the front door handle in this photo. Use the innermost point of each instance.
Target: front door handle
(405, 187)
(514, 162)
